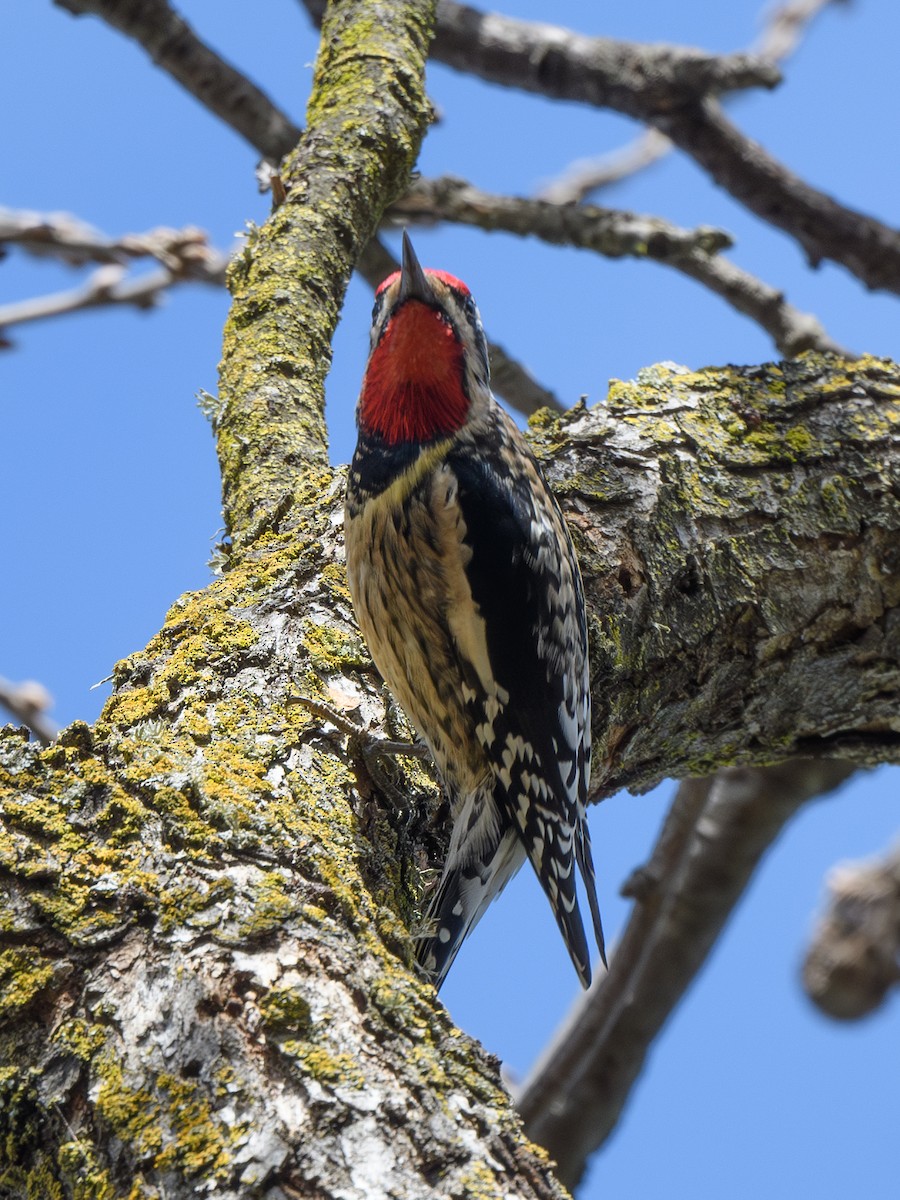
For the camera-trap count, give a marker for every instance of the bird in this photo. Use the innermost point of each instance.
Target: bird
(468, 593)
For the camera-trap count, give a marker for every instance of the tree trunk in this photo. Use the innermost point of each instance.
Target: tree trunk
(206, 972)
(206, 981)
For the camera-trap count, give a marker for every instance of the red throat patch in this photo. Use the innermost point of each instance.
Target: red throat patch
(413, 388)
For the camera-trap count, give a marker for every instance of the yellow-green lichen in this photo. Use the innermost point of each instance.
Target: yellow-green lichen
(273, 903)
(24, 975)
(167, 1124)
(332, 649)
(285, 1009)
(322, 1065)
(195, 904)
(86, 1178)
(79, 1038)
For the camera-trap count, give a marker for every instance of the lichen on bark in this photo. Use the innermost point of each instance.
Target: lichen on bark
(207, 898)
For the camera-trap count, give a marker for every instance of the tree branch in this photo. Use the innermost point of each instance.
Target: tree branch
(565, 65)
(28, 702)
(185, 254)
(738, 580)
(712, 841)
(853, 961)
(278, 340)
(173, 45)
(825, 229)
(784, 27)
(544, 59)
(73, 241)
(617, 234)
(588, 175)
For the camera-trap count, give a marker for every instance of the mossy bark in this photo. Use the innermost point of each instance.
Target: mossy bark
(365, 121)
(206, 971)
(739, 534)
(206, 979)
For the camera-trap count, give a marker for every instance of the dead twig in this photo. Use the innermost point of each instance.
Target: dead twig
(853, 961)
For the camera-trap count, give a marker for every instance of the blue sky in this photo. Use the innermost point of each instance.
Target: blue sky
(109, 490)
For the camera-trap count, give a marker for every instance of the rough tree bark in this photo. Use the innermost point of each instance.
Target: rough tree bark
(206, 966)
(205, 899)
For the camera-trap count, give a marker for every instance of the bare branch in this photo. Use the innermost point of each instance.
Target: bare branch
(607, 231)
(824, 228)
(853, 960)
(73, 241)
(617, 234)
(710, 845)
(785, 25)
(28, 702)
(784, 28)
(588, 175)
(173, 45)
(185, 254)
(565, 65)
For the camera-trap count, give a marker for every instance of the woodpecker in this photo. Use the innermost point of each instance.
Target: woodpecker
(468, 593)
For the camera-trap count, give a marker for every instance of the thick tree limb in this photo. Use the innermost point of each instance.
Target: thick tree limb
(756, 506)
(565, 65)
(207, 861)
(617, 234)
(853, 961)
(285, 317)
(712, 841)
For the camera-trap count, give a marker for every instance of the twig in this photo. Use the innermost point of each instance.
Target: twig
(784, 27)
(187, 258)
(28, 702)
(617, 234)
(853, 960)
(71, 240)
(711, 843)
(588, 175)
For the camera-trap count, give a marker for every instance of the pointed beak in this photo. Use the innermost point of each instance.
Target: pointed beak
(414, 283)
